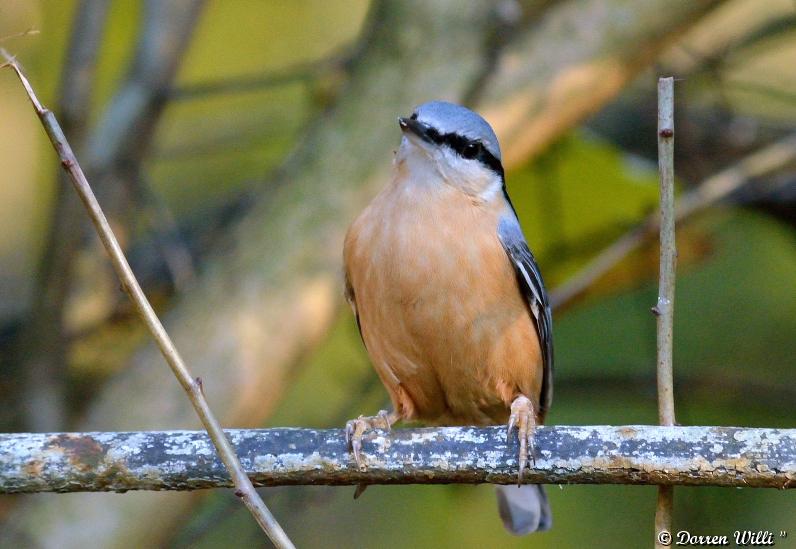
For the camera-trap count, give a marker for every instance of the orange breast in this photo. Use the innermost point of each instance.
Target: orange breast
(440, 309)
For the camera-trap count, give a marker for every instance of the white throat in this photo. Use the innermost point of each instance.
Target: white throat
(429, 166)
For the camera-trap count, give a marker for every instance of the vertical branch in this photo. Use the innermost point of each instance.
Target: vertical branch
(192, 386)
(43, 339)
(664, 309)
(129, 122)
(114, 150)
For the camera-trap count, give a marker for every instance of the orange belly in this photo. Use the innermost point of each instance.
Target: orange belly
(440, 310)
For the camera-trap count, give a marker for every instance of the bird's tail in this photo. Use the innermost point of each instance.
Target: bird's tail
(524, 509)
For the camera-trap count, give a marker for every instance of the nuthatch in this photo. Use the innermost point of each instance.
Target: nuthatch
(449, 299)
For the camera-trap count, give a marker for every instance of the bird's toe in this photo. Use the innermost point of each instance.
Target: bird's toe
(523, 418)
(355, 428)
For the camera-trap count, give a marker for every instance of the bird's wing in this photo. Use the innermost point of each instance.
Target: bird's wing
(532, 287)
(351, 298)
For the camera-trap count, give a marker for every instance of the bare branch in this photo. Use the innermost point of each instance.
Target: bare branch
(304, 72)
(44, 339)
(574, 70)
(22, 34)
(184, 460)
(664, 308)
(191, 385)
(712, 190)
(128, 124)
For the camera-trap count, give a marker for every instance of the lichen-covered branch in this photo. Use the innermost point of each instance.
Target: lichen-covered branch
(185, 460)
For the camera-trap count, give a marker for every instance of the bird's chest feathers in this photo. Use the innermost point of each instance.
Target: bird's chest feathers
(431, 247)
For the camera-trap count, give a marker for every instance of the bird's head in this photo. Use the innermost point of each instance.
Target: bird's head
(457, 144)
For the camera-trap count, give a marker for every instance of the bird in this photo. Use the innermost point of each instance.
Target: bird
(448, 298)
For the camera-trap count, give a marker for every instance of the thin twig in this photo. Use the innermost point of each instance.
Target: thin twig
(713, 189)
(664, 308)
(27, 32)
(193, 386)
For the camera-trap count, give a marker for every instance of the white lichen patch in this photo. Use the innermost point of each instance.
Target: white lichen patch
(419, 437)
(265, 463)
(185, 445)
(444, 461)
(151, 473)
(316, 461)
(579, 434)
(468, 436)
(134, 443)
(489, 460)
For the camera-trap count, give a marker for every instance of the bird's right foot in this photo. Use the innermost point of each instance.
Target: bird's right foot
(523, 417)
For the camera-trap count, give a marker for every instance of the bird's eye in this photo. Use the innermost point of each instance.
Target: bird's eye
(471, 150)
(414, 116)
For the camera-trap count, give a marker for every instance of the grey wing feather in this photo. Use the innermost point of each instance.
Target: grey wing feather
(532, 287)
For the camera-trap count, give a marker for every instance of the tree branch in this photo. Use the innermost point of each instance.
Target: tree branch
(664, 308)
(43, 339)
(559, 70)
(185, 460)
(128, 124)
(246, 83)
(192, 386)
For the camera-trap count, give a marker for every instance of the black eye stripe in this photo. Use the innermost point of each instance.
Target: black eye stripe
(458, 143)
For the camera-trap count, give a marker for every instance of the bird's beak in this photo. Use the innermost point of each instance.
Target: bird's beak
(415, 127)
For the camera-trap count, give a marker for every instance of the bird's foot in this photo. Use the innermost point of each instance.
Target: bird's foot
(523, 418)
(355, 428)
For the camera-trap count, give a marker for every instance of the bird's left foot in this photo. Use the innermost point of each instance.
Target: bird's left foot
(355, 428)
(524, 418)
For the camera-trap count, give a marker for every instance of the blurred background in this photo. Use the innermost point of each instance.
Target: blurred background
(231, 144)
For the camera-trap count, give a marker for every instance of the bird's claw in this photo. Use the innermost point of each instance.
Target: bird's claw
(355, 428)
(524, 418)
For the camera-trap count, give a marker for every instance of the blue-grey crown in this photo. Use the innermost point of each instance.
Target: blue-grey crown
(449, 118)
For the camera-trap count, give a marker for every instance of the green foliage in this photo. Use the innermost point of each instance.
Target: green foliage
(581, 190)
